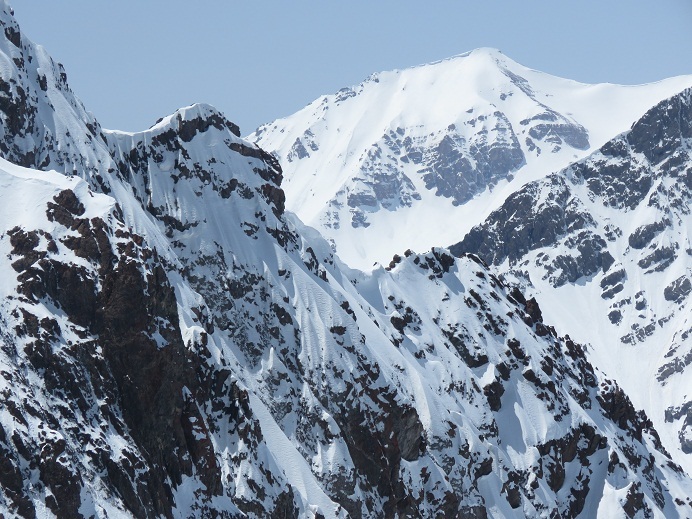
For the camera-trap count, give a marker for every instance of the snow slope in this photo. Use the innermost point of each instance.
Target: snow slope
(414, 158)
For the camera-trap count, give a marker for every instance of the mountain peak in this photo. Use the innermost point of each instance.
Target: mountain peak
(489, 53)
(486, 57)
(482, 57)
(201, 115)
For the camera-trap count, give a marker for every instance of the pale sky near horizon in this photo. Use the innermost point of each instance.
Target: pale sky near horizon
(134, 61)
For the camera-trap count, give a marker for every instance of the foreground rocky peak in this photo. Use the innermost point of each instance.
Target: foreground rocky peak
(194, 150)
(193, 119)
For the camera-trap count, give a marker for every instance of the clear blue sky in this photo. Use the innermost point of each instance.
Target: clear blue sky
(133, 61)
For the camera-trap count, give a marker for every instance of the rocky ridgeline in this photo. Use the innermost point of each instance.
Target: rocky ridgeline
(129, 414)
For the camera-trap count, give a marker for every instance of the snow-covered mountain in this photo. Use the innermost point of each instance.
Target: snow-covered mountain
(414, 158)
(606, 246)
(291, 390)
(173, 344)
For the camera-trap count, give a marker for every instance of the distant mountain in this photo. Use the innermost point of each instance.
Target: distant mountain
(174, 344)
(415, 158)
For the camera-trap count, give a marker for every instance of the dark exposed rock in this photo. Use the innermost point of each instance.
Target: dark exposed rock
(68, 201)
(13, 36)
(519, 226)
(475, 360)
(662, 257)
(276, 197)
(613, 278)
(617, 407)
(615, 316)
(534, 310)
(493, 392)
(676, 413)
(678, 290)
(386, 187)
(458, 169)
(576, 448)
(285, 506)
(377, 458)
(64, 484)
(396, 259)
(553, 128)
(379, 185)
(518, 296)
(24, 245)
(635, 503)
(273, 173)
(484, 468)
(640, 303)
(410, 435)
(512, 493)
(643, 235)
(660, 131)
(298, 151)
(12, 482)
(611, 292)
(147, 376)
(188, 128)
(621, 185)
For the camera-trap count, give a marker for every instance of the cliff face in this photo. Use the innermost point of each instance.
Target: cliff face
(94, 358)
(173, 344)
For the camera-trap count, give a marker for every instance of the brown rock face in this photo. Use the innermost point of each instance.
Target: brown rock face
(129, 309)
